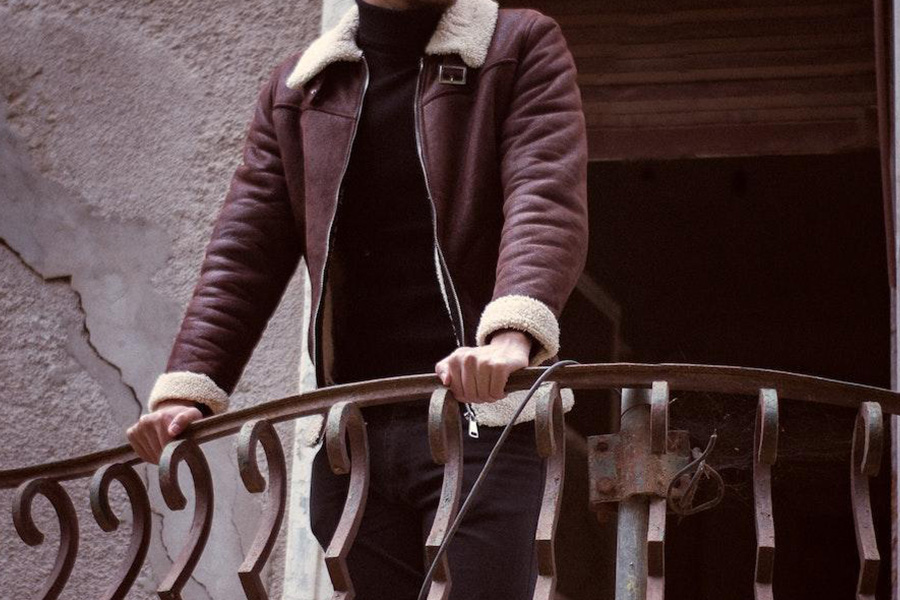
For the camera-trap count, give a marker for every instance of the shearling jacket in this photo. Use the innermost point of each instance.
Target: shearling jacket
(501, 139)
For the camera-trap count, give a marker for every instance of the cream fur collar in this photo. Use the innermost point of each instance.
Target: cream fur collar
(465, 28)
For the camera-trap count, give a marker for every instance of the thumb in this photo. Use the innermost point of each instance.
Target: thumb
(443, 373)
(182, 420)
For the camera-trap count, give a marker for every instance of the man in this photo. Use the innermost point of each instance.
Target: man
(428, 159)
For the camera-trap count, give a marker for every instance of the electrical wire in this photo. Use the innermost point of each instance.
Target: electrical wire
(423, 592)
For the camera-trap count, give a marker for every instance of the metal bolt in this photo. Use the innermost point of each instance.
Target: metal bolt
(602, 446)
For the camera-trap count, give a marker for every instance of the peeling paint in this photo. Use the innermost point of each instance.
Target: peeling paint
(120, 125)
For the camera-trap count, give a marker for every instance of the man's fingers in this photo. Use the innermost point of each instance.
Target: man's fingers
(455, 375)
(137, 443)
(499, 377)
(469, 377)
(161, 433)
(443, 372)
(151, 440)
(182, 419)
(483, 379)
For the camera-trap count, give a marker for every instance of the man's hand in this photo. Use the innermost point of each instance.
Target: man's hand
(154, 430)
(479, 374)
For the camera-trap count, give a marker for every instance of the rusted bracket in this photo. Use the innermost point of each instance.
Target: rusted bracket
(641, 460)
(631, 463)
(765, 451)
(868, 438)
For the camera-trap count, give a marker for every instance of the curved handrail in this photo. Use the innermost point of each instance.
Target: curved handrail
(684, 377)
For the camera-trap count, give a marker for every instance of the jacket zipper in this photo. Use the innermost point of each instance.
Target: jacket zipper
(441, 270)
(319, 367)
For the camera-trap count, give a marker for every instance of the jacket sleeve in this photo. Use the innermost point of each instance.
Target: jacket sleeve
(255, 247)
(543, 148)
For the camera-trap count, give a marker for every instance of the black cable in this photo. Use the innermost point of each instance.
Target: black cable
(423, 592)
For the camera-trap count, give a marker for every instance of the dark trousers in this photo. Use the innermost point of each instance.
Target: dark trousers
(492, 554)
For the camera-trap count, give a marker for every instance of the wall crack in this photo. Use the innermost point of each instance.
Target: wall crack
(67, 280)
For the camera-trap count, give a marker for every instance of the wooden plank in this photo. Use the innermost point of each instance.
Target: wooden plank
(726, 74)
(715, 46)
(728, 60)
(680, 78)
(739, 29)
(816, 87)
(567, 7)
(687, 104)
(730, 140)
(729, 116)
(593, 18)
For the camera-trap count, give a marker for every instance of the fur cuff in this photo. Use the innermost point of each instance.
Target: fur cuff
(189, 386)
(524, 314)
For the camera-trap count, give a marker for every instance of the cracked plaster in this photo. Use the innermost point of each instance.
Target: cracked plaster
(120, 125)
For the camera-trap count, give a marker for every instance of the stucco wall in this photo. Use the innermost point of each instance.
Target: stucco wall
(120, 126)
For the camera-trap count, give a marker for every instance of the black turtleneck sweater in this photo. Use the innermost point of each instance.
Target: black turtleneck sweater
(389, 314)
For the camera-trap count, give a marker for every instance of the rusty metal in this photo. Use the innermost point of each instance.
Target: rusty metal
(656, 516)
(345, 420)
(172, 456)
(697, 378)
(254, 433)
(445, 440)
(633, 512)
(31, 535)
(765, 452)
(106, 518)
(621, 465)
(550, 435)
(868, 440)
(633, 468)
(656, 549)
(659, 417)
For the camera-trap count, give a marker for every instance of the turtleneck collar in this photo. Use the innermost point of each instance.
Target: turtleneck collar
(390, 30)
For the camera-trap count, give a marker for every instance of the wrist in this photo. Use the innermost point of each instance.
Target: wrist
(512, 338)
(203, 408)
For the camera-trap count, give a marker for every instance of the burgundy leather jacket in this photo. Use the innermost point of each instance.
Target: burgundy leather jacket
(501, 138)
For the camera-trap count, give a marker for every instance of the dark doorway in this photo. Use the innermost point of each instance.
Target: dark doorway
(760, 261)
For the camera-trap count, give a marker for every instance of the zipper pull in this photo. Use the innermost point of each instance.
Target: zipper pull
(473, 424)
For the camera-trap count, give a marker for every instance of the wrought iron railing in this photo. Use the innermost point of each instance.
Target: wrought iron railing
(645, 467)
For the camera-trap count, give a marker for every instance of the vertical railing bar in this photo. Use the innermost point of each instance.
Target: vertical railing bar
(765, 452)
(253, 433)
(68, 529)
(656, 549)
(345, 420)
(550, 437)
(174, 453)
(445, 441)
(865, 462)
(140, 526)
(656, 518)
(633, 519)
